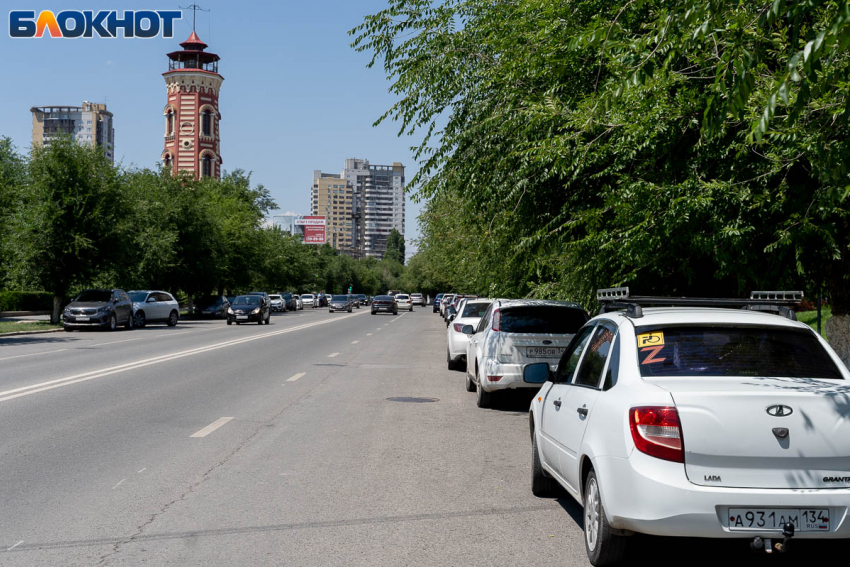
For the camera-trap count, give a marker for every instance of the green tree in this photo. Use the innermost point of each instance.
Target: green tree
(12, 180)
(395, 247)
(63, 231)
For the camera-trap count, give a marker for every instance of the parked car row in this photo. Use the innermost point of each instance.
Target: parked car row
(111, 308)
(671, 416)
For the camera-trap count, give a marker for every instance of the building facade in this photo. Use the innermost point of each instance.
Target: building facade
(192, 117)
(367, 202)
(89, 124)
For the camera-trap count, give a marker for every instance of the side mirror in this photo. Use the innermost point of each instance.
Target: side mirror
(467, 330)
(536, 373)
(115, 300)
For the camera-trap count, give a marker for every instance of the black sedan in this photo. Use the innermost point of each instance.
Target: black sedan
(249, 309)
(384, 304)
(340, 303)
(99, 308)
(215, 306)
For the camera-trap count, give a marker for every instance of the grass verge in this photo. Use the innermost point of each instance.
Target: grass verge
(16, 326)
(810, 318)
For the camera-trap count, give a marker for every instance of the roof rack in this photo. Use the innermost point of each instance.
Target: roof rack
(779, 302)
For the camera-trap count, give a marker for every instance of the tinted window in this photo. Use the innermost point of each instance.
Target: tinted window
(163, 297)
(274, 297)
(485, 319)
(123, 295)
(384, 298)
(248, 300)
(569, 361)
(209, 302)
(96, 295)
(475, 309)
(339, 298)
(733, 351)
(613, 366)
(400, 296)
(595, 356)
(139, 296)
(542, 319)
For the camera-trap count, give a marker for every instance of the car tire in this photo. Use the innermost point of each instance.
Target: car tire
(373, 313)
(602, 546)
(330, 310)
(269, 319)
(484, 399)
(141, 321)
(173, 317)
(470, 385)
(113, 322)
(129, 324)
(229, 322)
(450, 363)
(68, 329)
(349, 309)
(541, 485)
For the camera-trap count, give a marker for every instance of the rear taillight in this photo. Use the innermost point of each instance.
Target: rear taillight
(497, 319)
(494, 378)
(656, 431)
(458, 327)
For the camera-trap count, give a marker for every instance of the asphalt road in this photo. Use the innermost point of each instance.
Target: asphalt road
(208, 444)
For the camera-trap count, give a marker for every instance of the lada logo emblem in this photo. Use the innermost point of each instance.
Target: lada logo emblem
(779, 410)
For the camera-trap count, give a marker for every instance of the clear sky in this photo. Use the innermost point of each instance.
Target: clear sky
(295, 97)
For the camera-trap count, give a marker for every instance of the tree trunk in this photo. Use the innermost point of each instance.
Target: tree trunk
(57, 309)
(838, 334)
(838, 286)
(190, 304)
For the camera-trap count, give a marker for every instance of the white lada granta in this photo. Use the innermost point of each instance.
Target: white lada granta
(706, 418)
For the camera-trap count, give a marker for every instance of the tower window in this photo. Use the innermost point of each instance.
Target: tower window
(166, 161)
(169, 123)
(206, 166)
(206, 123)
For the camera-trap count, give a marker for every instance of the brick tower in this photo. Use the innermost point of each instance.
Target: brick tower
(192, 141)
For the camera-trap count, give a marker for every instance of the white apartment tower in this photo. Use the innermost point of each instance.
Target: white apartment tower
(378, 204)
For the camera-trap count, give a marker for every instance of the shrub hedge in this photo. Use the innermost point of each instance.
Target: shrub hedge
(26, 301)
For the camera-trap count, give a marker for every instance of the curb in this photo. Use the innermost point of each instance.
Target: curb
(15, 333)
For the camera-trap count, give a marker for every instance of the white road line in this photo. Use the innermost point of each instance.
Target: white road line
(141, 471)
(354, 342)
(211, 427)
(116, 342)
(120, 482)
(368, 334)
(16, 545)
(91, 375)
(296, 377)
(333, 354)
(172, 334)
(33, 354)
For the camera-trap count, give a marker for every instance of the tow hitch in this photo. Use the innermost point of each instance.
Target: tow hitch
(766, 545)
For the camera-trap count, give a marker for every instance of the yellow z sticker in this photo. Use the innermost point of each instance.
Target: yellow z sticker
(654, 338)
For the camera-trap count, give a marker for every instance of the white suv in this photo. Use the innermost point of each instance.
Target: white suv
(513, 333)
(696, 422)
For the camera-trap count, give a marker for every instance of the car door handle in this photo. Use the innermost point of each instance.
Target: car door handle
(582, 411)
(557, 403)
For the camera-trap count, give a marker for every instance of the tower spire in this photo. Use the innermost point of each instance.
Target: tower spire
(194, 8)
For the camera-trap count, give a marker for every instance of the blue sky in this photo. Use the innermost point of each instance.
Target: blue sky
(295, 98)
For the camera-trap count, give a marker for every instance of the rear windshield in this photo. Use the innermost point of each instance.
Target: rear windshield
(95, 295)
(248, 300)
(542, 319)
(475, 309)
(307, 296)
(384, 298)
(275, 297)
(339, 298)
(733, 351)
(400, 296)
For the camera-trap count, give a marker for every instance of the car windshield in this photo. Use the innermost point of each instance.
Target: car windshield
(248, 300)
(339, 298)
(274, 297)
(384, 298)
(362, 296)
(95, 295)
(138, 296)
(541, 319)
(307, 296)
(474, 309)
(733, 351)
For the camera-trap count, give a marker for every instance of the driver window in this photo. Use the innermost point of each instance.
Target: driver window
(485, 319)
(595, 357)
(569, 362)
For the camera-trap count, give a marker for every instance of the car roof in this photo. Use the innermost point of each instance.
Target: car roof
(708, 315)
(505, 303)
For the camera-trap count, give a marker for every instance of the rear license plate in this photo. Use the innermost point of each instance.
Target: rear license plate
(83, 318)
(804, 519)
(241, 316)
(543, 352)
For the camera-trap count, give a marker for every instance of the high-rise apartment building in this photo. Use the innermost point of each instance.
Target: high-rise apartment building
(89, 124)
(333, 198)
(362, 206)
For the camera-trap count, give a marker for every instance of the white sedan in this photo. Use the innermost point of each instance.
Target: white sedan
(307, 300)
(695, 422)
(403, 302)
(456, 341)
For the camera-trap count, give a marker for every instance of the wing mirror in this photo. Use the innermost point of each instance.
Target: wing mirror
(468, 330)
(536, 373)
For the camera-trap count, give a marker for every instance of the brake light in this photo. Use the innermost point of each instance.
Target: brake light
(458, 327)
(497, 319)
(657, 431)
(494, 378)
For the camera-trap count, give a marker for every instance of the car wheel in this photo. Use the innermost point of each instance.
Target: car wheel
(229, 322)
(330, 310)
(129, 324)
(484, 399)
(68, 329)
(470, 385)
(269, 319)
(140, 320)
(172, 318)
(603, 547)
(113, 322)
(451, 363)
(541, 484)
(349, 309)
(373, 313)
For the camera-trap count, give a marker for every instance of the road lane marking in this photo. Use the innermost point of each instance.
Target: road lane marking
(141, 471)
(211, 427)
(296, 377)
(333, 354)
(172, 334)
(368, 334)
(16, 545)
(354, 342)
(116, 342)
(120, 482)
(33, 354)
(91, 375)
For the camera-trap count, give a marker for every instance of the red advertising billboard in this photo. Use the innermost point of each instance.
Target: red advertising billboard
(314, 229)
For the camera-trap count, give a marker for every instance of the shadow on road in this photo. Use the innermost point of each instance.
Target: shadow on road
(46, 338)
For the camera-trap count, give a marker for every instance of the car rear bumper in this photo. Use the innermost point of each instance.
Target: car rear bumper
(457, 344)
(651, 496)
(511, 376)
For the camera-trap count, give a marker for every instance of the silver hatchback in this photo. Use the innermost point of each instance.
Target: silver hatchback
(151, 306)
